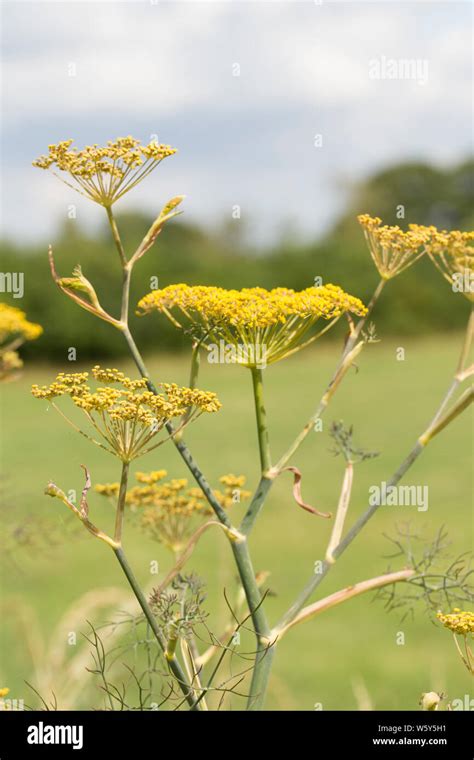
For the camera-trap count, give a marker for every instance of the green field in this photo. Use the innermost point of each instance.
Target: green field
(333, 659)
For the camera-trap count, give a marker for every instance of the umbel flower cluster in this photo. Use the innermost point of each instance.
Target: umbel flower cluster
(453, 253)
(167, 509)
(257, 322)
(105, 174)
(127, 417)
(15, 329)
(393, 250)
(458, 621)
(14, 324)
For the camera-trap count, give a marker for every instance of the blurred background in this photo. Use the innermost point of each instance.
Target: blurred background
(288, 123)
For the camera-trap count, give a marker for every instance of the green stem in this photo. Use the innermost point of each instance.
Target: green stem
(256, 505)
(261, 676)
(360, 325)
(458, 407)
(196, 471)
(121, 503)
(467, 342)
(116, 235)
(173, 663)
(262, 429)
(127, 273)
(193, 378)
(264, 653)
(458, 376)
(195, 364)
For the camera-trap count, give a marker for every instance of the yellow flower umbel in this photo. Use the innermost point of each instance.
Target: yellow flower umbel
(128, 417)
(105, 174)
(392, 249)
(458, 621)
(14, 331)
(453, 254)
(254, 326)
(168, 510)
(461, 623)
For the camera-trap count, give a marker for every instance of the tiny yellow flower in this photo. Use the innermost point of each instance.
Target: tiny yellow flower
(255, 326)
(151, 477)
(453, 254)
(458, 621)
(392, 249)
(15, 329)
(13, 324)
(127, 417)
(4, 691)
(167, 511)
(105, 174)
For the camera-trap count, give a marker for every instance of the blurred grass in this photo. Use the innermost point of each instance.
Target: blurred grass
(388, 401)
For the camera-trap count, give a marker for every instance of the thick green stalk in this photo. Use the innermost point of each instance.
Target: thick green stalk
(459, 374)
(467, 345)
(127, 274)
(116, 235)
(262, 429)
(173, 663)
(121, 502)
(195, 364)
(261, 676)
(264, 652)
(255, 505)
(137, 358)
(193, 378)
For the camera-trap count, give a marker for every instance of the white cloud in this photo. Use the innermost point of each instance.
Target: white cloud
(167, 68)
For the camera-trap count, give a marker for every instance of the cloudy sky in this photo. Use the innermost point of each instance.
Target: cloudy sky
(243, 90)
